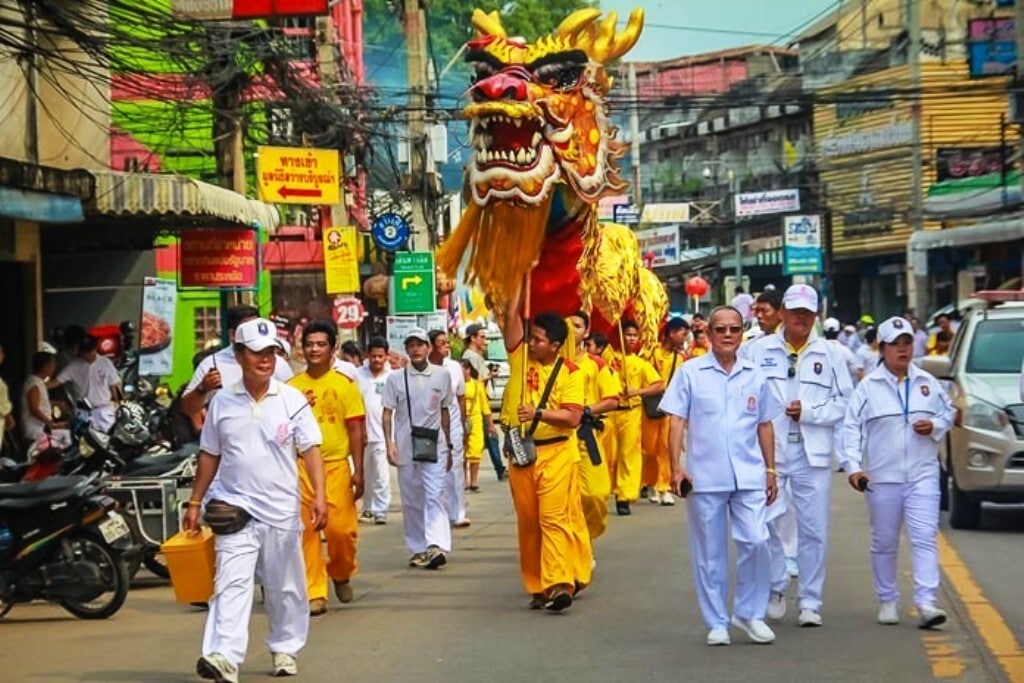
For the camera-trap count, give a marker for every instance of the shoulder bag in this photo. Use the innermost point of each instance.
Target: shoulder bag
(424, 439)
(520, 448)
(651, 409)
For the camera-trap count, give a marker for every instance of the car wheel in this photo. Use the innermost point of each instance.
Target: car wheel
(964, 511)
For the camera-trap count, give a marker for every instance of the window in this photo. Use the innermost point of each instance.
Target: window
(997, 347)
(207, 325)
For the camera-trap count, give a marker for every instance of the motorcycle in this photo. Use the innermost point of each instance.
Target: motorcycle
(62, 540)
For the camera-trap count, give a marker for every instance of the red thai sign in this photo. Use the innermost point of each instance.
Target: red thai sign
(269, 9)
(217, 258)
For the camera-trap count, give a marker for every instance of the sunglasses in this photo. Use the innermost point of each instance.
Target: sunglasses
(793, 358)
(731, 329)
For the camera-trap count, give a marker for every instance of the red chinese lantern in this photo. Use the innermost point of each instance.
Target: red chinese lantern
(696, 286)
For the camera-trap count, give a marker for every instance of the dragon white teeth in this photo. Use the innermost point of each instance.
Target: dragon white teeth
(518, 122)
(536, 139)
(558, 135)
(521, 157)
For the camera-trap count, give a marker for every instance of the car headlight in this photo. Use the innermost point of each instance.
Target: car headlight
(981, 414)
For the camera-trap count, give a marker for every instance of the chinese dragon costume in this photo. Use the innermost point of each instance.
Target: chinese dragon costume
(544, 154)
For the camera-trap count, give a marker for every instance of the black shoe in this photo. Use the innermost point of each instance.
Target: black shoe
(644, 491)
(559, 600)
(622, 508)
(538, 601)
(435, 558)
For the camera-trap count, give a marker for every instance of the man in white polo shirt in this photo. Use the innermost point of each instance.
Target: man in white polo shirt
(418, 398)
(247, 461)
(440, 354)
(221, 369)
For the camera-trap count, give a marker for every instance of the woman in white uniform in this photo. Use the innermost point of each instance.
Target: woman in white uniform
(894, 423)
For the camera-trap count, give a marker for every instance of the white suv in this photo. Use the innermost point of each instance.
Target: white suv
(984, 452)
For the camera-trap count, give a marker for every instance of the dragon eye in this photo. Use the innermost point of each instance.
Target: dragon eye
(563, 77)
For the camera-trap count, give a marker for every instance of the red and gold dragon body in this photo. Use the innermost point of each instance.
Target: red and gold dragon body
(544, 153)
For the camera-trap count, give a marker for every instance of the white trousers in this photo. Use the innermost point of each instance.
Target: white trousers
(424, 513)
(455, 485)
(276, 555)
(711, 516)
(915, 505)
(376, 478)
(808, 491)
(784, 525)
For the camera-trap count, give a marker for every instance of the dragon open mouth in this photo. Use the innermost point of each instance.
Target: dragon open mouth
(504, 141)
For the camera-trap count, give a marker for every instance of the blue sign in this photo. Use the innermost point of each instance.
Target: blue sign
(626, 214)
(40, 206)
(801, 245)
(390, 232)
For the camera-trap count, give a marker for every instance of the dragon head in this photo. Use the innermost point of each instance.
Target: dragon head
(537, 110)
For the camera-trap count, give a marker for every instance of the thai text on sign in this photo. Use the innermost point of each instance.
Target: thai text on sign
(218, 258)
(295, 175)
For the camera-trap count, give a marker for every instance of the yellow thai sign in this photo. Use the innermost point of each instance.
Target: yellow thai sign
(341, 260)
(296, 175)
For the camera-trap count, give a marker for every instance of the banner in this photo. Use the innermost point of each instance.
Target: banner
(660, 244)
(156, 333)
(399, 326)
(801, 253)
(218, 258)
(341, 260)
(770, 201)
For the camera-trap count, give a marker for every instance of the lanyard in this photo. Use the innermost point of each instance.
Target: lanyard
(905, 404)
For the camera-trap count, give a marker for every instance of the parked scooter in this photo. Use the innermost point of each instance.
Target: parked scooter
(62, 540)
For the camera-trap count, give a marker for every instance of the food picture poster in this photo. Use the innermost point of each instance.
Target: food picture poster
(156, 338)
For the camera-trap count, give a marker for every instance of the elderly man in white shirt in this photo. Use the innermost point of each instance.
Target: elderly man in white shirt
(252, 433)
(723, 406)
(417, 403)
(894, 424)
(813, 383)
(371, 379)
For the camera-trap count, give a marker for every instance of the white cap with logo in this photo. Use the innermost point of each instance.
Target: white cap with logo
(800, 296)
(894, 328)
(257, 334)
(417, 333)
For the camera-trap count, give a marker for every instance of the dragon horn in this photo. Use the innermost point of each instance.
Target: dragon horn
(576, 22)
(609, 45)
(488, 24)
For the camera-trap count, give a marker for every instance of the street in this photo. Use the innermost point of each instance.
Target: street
(637, 622)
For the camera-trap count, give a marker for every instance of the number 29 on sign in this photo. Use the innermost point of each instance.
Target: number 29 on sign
(348, 312)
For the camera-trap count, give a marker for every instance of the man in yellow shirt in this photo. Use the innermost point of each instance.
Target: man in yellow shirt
(601, 391)
(545, 492)
(639, 379)
(338, 407)
(657, 470)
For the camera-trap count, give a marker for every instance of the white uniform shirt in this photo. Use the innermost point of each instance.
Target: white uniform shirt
(256, 442)
(31, 426)
(853, 363)
(454, 369)
(224, 361)
(372, 389)
(821, 384)
(723, 411)
(346, 368)
(879, 426)
(744, 303)
(868, 357)
(429, 391)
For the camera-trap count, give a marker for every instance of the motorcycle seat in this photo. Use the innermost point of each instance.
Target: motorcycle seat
(50, 490)
(156, 464)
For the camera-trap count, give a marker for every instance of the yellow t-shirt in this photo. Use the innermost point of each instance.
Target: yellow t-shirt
(476, 399)
(662, 362)
(638, 374)
(599, 382)
(336, 401)
(567, 391)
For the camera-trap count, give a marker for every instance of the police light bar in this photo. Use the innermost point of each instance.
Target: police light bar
(998, 296)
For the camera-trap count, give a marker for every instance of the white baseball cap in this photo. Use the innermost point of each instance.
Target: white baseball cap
(417, 333)
(257, 334)
(832, 325)
(894, 328)
(47, 347)
(800, 296)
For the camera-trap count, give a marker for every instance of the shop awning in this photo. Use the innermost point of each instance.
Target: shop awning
(160, 195)
(1007, 229)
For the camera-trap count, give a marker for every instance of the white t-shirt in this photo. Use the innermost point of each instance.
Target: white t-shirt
(256, 442)
(853, 364)
(346, 368)
(744, 303)
(429, 391)
(868, 358)
(31, 426)
(454, 369)
(230, 371)
(372, 389)
(91, 381)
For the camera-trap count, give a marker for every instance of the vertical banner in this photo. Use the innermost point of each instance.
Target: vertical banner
(801, 252)
(156, 333)
(341, 260)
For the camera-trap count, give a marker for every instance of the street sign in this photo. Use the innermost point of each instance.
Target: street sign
(390, 231)
(296, 175)
(348, 312)
(625, 214)
(413, 282)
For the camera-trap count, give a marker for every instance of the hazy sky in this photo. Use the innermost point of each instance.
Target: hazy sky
(709, 25)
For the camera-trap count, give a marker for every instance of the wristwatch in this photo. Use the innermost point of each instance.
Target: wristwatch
(587, 412)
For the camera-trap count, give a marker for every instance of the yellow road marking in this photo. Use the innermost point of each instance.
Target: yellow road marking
(990, 624)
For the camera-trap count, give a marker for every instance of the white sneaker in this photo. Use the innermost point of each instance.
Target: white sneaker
(284, 665)
(667, 498)
(757, 630)
(215, 667)
(931, 617)
(718, 636)
(889, 613)
(809, 617)
(776, 606)
(654, 497)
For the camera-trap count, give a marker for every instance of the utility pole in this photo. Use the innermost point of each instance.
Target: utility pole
(917, 283)
(417, 183)
(634, 134)
(32, 76)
